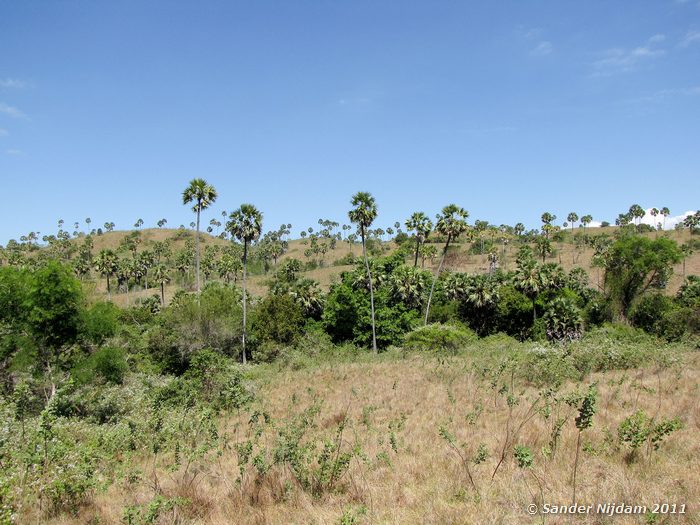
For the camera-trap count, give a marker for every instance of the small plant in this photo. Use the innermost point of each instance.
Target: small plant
(639, 428)
(584, 420)
(464, 458)
(523, 456)
(482, 454)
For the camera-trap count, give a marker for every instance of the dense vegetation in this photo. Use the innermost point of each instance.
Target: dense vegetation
(96, 396)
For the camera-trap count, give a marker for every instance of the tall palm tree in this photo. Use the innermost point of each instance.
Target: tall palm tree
(422, 225)
(572, 218)
(363, 214)
(203, 195)
(451, 223)
(160, 275)
(530, 280)
(665, 212)
(245, 224)
(106, 265)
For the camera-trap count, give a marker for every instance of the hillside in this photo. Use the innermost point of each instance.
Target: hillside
(459, 260)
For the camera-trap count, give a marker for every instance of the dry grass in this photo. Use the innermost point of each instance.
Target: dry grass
(423, 481)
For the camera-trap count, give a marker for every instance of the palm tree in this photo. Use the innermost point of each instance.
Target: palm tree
(572, 218)
(547, 220)
(451, 223)
(529, 279)
(665, 212)
(586, 220)
(422, 225)
(160, 275)
(246, 226)
(203, 195)
(363, 214)
(106, 265)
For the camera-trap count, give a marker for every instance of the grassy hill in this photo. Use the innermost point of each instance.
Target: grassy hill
(459, 260)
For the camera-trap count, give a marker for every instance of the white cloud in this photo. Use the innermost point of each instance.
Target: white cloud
(15, 152)
(542, 49)
(3, 132)
(12, 83)
(691, 37)
(594, 224)
(619, 60)
(11, 111)
(671, 221)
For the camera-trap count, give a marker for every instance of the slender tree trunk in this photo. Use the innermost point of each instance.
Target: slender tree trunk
(435, 278)
(162, 293)
(109, 289)
(245, 266)
(534, 310)
(196, 241)
(371, 292)
(415, 262)
(146, 278)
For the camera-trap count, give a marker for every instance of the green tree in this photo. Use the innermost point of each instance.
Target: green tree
(530, 280)
(203, 195)
(422, 225)
(160, 276)
(53, 308)
(363, 214)
(547, 220)
(572, 218)
(634, 264)
(245, 224)
(451, 223)
(106, 265)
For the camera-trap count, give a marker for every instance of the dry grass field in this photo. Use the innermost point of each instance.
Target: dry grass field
(388, 414)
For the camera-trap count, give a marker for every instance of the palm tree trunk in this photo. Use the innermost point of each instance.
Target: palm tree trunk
(196, 241)
(371, 292)
(245, 265)
(162, 294)
(415, 262)
(109, 289)
(435, 278)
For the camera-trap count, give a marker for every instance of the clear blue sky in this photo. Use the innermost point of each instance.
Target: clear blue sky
(509, 108)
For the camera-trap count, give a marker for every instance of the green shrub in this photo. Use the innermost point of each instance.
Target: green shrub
(562, 320)
(107, 363)
(278, 319)
(439, 337)
(100, 322)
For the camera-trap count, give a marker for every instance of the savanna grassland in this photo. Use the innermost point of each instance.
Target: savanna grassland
(449, 373)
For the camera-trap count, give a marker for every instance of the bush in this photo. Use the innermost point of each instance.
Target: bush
(649, 310)
(439, 337)
(278, 319)
(513, 312)
(562, 320)
(107, 363)
(100, 322)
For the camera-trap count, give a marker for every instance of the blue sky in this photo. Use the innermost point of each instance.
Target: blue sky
(508, 108)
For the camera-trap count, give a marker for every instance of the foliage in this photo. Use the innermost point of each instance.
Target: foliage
(635, 264)
(439, 337)
(279, 319)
